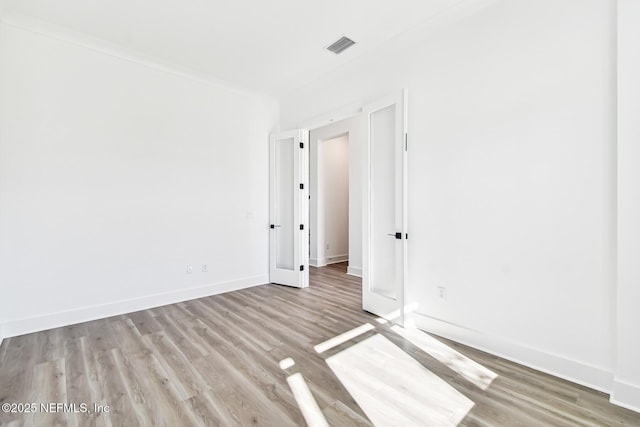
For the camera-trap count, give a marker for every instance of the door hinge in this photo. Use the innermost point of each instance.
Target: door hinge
(406, 142)
(302, 145)
(302, 268)
(302, 186)
(301, 226)
(406, 236)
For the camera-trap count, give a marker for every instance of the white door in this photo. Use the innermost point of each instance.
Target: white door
(289, 209)
(384, 208)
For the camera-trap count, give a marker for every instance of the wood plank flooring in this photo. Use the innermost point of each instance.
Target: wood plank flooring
(247, 358)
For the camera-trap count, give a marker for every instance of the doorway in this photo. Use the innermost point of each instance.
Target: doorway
(329, 202)
(335, 204)
(377, 142)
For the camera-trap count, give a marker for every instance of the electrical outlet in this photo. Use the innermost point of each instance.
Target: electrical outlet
(442, 293)
(205, 268)
(189, 269)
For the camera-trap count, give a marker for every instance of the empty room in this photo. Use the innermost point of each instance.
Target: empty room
(323, 213)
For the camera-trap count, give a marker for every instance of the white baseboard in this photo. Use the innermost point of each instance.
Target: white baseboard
(336, 259)
(323, 262)
(625, 394)
(354, 271)
(571, 370)
(17, 327)
(317, 262)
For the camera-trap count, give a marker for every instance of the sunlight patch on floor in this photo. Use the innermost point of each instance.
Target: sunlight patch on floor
(393, 389)
(342, 338)
(286, 363)
(457, 362)
(308, 405)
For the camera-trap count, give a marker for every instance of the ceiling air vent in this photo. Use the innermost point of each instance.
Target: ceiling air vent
(341, 44)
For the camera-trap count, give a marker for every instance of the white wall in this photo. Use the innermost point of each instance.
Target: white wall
(352, 128)
(335, 162)
(627, 380)
(511, 176)
(115, 174)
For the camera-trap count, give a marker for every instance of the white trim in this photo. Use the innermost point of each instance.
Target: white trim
(335, 116)
(336, 259)
(69, 36)
(303, 206)
(16, 327)
(317, 262)
(625, 394)
(323, 262)
(354, 271)
(571, 370)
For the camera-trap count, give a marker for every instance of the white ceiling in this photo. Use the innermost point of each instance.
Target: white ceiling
(270, 46)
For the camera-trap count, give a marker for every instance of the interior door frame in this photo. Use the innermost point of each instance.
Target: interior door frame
(400, 101)
(348, 112)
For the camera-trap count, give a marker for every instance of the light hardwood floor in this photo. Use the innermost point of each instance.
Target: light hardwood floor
(217, 361)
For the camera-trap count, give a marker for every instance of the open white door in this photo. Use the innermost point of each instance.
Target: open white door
(384, 208)
(289, 209)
